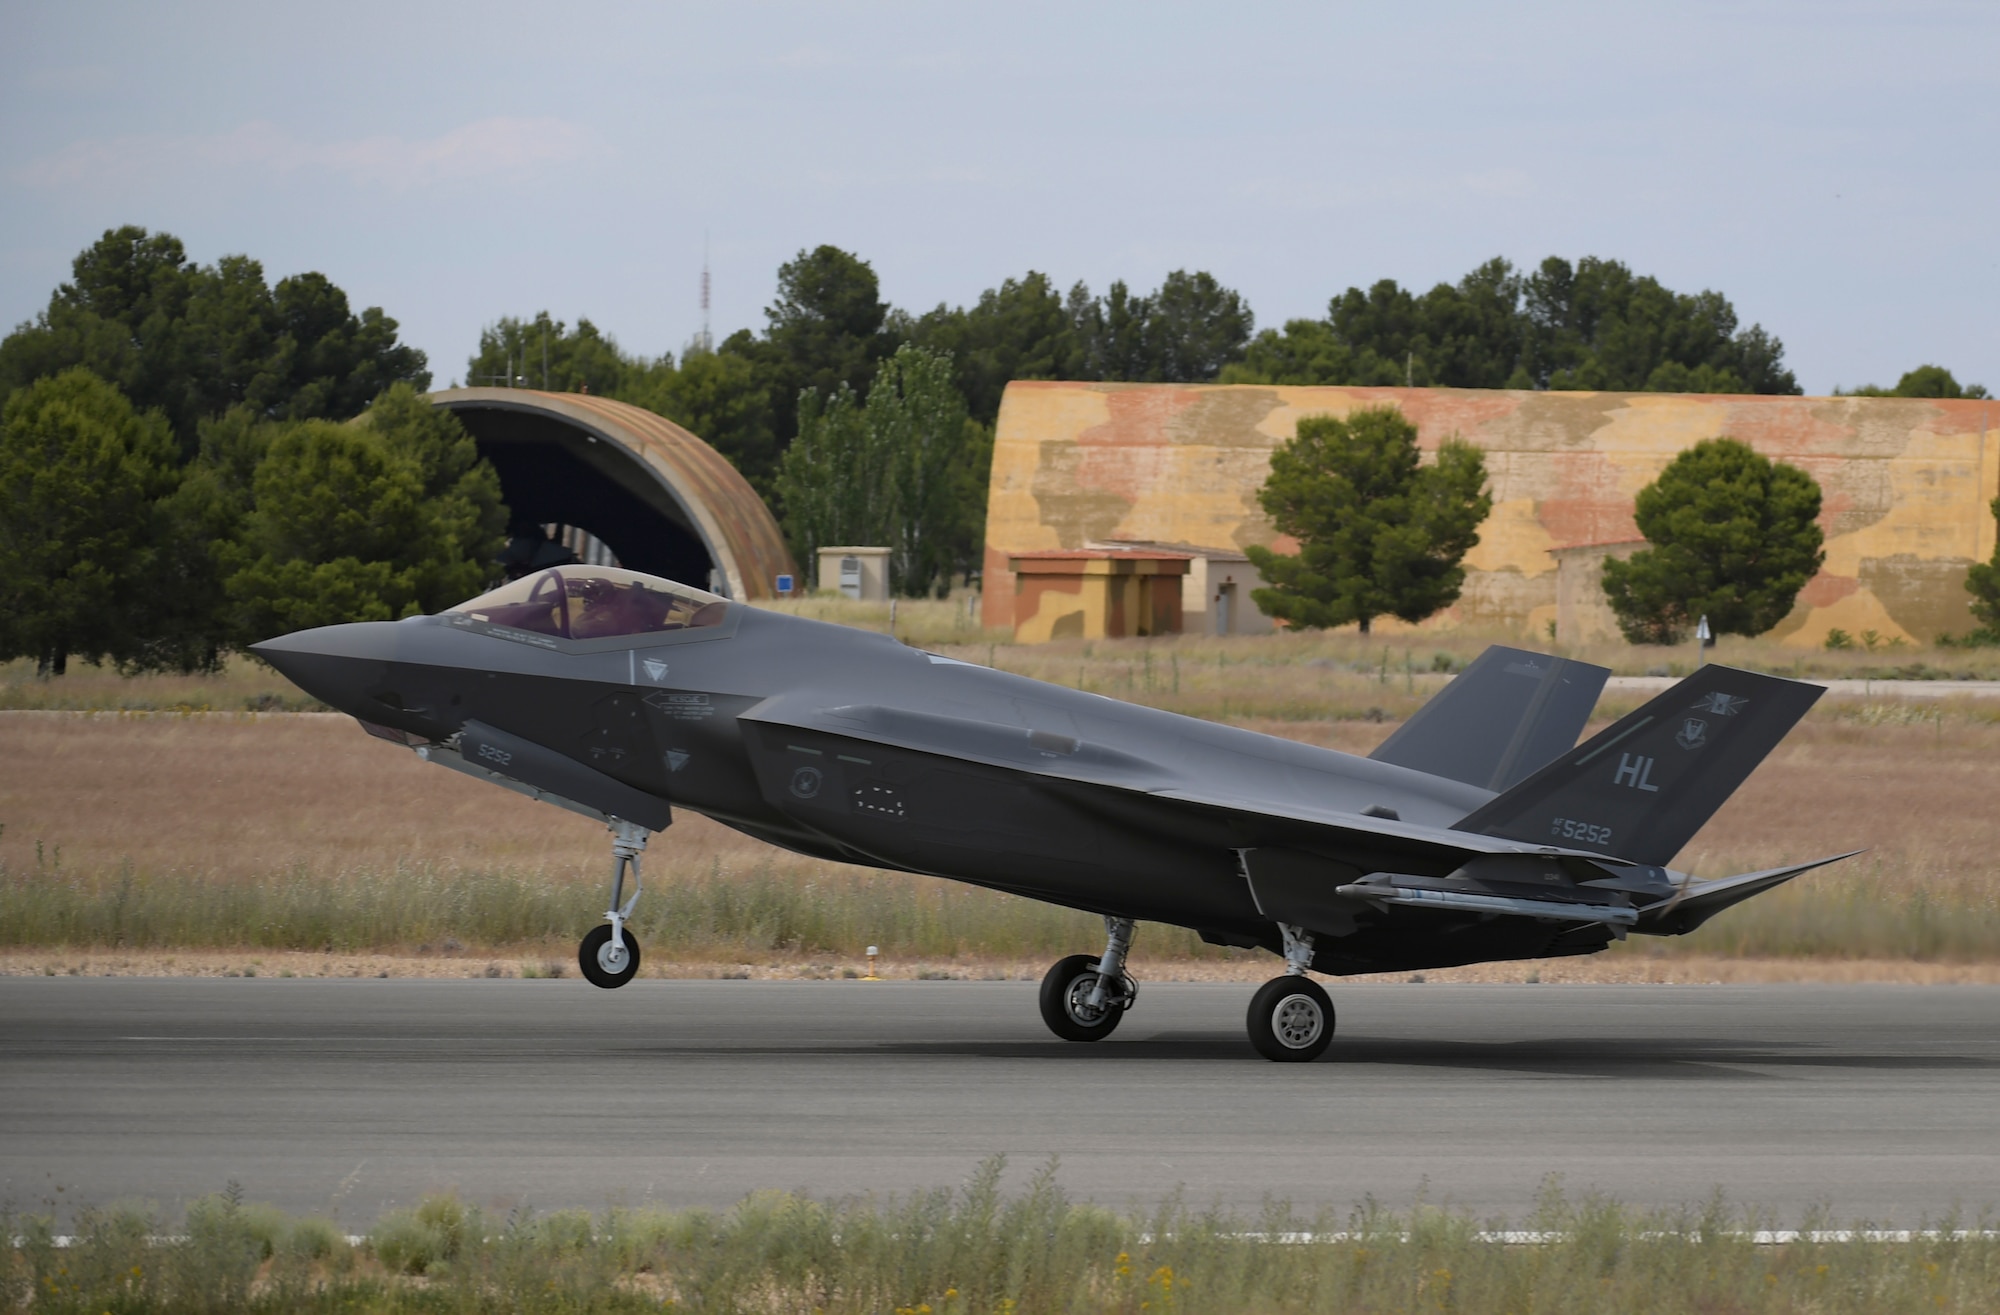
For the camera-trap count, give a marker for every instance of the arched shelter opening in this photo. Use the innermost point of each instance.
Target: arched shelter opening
(657, 496)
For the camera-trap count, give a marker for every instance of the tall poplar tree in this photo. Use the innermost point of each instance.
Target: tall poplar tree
(904, 470)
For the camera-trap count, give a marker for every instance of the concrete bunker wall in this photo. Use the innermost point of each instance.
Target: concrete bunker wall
(1907, 482)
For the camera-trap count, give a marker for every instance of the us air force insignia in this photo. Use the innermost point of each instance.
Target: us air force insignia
(1720, 704)
(1693, 733)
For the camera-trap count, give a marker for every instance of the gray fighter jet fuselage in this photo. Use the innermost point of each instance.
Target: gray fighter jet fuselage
(1475, 833)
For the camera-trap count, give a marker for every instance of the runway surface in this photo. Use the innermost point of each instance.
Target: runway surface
(355, 1096)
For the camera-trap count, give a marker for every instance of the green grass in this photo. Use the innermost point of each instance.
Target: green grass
(979, 1250)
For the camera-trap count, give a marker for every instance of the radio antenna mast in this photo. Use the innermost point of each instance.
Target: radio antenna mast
(707, 343)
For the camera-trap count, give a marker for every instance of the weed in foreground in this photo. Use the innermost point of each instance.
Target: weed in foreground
(980, 1249)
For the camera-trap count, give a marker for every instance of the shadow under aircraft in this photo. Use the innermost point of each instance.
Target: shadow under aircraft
(1480, 830)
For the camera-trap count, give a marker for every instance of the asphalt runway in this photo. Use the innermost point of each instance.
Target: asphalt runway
(355, 1096)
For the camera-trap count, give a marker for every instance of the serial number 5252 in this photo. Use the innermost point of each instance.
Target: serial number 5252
(1588, 832)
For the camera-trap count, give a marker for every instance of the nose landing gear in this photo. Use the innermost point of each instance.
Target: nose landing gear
(1083, 998)
(608, 956)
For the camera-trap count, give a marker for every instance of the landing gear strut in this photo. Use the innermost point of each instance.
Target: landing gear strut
(1291, 1017)
(609, 957)
(1083, 998)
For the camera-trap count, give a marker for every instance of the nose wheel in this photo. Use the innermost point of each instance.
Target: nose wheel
(606, 964)
(609, 957)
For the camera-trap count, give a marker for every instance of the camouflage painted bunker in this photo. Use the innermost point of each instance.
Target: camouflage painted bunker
(1907, 485)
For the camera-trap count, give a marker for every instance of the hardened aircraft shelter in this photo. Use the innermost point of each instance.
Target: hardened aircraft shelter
(1908, 489)
(658, 497)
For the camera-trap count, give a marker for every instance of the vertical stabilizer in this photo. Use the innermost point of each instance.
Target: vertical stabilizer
(1506, 715)
(1642, 787)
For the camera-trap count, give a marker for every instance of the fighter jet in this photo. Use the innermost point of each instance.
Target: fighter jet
(1480, 830)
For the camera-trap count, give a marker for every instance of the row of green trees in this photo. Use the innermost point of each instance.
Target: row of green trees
(193, 341)
(829, 334)
(828, 328)
(1924, 381)
(175, 479)
(1592, 325)
(112, 547)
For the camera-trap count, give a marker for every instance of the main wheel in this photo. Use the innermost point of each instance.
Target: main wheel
(1291, 1020)
(1066, 1006)
(604, 964)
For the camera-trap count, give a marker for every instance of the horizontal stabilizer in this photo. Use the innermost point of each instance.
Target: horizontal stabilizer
(1702, 900)
(1505, 716)
(1642, 787)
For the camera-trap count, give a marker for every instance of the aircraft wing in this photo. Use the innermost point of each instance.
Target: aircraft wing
(1631, 796)
(1360, 826)
(1066, 759)
(1582, 841)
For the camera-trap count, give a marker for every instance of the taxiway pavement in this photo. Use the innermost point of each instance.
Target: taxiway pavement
(355, 1096)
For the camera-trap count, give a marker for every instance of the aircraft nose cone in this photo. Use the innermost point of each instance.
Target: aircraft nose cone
(334, 664)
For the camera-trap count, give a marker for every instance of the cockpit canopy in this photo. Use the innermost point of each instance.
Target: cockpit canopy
(595, 602)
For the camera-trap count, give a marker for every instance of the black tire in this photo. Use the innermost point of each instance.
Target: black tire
(1291, 1020)
(591, 954)
(1064, 991)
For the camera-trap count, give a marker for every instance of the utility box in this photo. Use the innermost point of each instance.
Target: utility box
(858, 573)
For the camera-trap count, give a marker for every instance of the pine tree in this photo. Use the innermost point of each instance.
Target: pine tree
(1734, 536)
(1380, 533)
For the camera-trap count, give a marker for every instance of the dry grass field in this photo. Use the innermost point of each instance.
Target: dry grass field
(136, 838)
(167, 822)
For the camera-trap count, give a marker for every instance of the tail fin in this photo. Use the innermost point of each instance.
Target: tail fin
(1641, 788)
(1507, 714)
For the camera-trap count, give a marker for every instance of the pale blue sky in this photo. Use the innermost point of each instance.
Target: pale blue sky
(1829, 166)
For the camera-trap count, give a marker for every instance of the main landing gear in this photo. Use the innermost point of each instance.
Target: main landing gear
(1083, 998)
(1291, 1017)
(1290, 1020)
(609, 957)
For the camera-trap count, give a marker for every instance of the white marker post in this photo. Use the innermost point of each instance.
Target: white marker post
(1702, 642)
